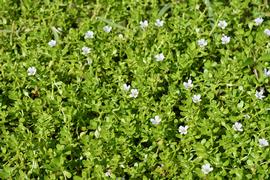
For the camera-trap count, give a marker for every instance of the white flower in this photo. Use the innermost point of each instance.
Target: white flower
(222, 24)
(156, 120)
(160, 57)
(238, 126)
(225, 39)
(52, 43)
(134, 93)
(206, 168)
(89, 35)
(202, 42)
(266, 72)
(259, 94)
(183, 129)
(126, 87)
(188, 85)
(31, 71)
(159, 23)
(196, 98)
(144, 24)
(258, 21)
(267, 32)
(108, 173)
(263, 142)
(107, 29)
(86, 50)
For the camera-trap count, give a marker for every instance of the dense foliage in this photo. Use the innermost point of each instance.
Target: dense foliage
(134, 89)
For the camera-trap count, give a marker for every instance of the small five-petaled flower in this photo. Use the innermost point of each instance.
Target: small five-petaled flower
(225, 39)
(258, 21)
(222, 24)
(144, 24)
(86, 50)
(196, 98)
(156, 120)
(126, 87)
(206, 168)
(52, 43)
(31, 71)
(89, 35)
(188, 85)
(267, 32)
(107, 29)
(134, 93)
(263, 142)
(238, 126)
(202, 42)
(183, 129)
(160, 57)
(266, 72)
(159, 23)
(259, 94)
(108, 173)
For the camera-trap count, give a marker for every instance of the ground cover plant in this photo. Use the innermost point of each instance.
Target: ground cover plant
(143, 89)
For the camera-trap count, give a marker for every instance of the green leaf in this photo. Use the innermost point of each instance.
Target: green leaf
(248, 62)
(67, 174)
(165, 8)
(240, 105)
(109, 22)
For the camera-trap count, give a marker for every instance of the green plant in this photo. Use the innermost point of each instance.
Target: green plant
(134, 89)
